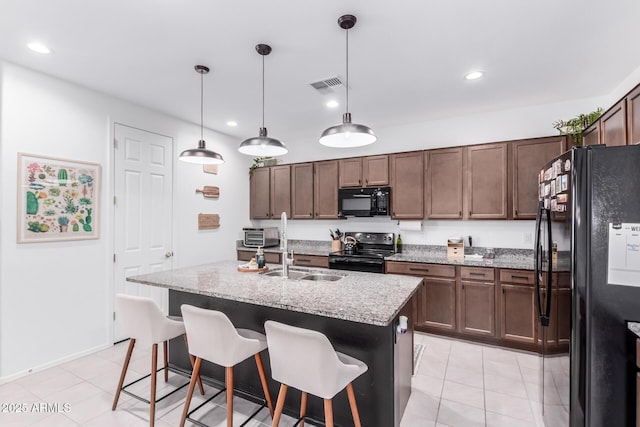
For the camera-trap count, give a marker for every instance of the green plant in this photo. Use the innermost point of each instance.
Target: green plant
(576, 125)
(62, 177)
(259, 162)
(86, 221)
(63, 220)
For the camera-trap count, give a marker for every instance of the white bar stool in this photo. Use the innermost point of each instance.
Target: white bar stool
(143, 321)
(213, 337)
(305, 360)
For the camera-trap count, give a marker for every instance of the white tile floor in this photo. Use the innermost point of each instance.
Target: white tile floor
(458, 384)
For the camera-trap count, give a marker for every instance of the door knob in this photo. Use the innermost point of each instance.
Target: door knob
(168, 254)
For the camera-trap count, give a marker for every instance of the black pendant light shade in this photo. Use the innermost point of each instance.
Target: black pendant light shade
(347, 134)
(201, 155)
(263, 145)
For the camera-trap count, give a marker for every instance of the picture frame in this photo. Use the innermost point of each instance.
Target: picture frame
(58, 199)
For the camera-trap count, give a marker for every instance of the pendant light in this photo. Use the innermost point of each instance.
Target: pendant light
(263, 145)
(347, 134)
(201, 155)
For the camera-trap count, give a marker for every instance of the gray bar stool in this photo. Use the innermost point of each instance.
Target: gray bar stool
(143, 321)
(213, 337)
(306, 360)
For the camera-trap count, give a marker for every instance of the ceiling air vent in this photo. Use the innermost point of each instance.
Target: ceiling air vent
(327, 85)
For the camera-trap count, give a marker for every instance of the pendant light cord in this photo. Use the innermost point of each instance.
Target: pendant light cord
(201, 105)
(347, 31)
(263, 91)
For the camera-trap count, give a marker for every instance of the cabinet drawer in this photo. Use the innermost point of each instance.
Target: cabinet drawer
(269, 257)
(311, 260)
(420, 269)
(477, 273)
(517, 276)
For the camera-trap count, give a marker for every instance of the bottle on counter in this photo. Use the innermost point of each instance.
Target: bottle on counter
(399, 244)
(260, 257)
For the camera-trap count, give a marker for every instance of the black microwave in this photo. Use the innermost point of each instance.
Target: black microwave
(363, 201)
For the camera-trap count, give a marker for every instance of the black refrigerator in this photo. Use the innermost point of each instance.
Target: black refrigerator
(587, 258)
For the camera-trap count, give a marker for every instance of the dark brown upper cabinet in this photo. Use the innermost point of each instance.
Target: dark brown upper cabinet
(486, 167)
(259, 187)
(633, 117)
(368, 171)
(407, 185)
(302, 191)
(613, 125)
(528, 157)
(591, 135)
(443, 183)
(280, 191)
(326, 190)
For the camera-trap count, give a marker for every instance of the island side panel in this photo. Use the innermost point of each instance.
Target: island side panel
(381, 392)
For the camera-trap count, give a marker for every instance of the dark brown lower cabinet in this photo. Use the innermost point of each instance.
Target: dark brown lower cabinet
(477, 302)
(269, 257)
(311, 261)
(517, 313)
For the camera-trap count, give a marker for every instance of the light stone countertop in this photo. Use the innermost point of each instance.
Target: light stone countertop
(368, 298)
(634, 327)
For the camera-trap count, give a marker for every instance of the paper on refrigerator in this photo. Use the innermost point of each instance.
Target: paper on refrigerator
(624, 254)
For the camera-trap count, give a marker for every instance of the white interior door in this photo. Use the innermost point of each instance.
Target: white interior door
(143, 211)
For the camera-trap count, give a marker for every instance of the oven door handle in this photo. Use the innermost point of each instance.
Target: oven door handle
(355, 260)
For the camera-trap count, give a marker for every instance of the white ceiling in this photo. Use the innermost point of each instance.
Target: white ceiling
(407, 58)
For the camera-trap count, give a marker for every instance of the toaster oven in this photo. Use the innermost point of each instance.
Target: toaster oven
(265, 237)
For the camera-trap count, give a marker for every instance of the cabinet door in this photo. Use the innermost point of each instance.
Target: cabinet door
(528, 157)
(477, 305)
(438, 303)
(591, 136)
(443, 183)
(633, 117)
(302, 191)
(613, 125)
(375, 170)
(407, 180)
(326, 190)
(280, 191)
(486, 188)
(350, 172)
(259, 186)
(517, 312)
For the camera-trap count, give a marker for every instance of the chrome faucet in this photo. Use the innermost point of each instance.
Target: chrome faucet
(286, 260)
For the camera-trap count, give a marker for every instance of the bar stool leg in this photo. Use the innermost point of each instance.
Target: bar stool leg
(303, 407)
(328, 413)
(166, 362)
(279, 405)
(263, 380)
(195, 376)
(193, 362)
(354, 407)
(152, 397)
(125, 366)
(229, 385)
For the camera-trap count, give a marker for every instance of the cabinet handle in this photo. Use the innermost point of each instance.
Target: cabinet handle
(503, 290)
(359, 181)
(267, 214)
(520, 277)
(473, 273)
(426, 270)
(516, 212)
(302, 260)
(311, 215)
(366, 181)
(460, 214)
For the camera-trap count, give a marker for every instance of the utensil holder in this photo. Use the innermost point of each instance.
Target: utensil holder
(336, 246)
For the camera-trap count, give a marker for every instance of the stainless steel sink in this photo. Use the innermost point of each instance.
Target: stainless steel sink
(293, 274)
(321, 276)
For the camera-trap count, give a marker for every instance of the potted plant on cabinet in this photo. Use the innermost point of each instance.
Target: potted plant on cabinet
(576, 125)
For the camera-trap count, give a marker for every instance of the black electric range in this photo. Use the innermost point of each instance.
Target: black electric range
(367, 255)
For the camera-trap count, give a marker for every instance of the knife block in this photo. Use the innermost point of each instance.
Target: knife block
(455, 251)
(336, 246)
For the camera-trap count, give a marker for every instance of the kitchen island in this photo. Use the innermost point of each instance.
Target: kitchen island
(359, 314)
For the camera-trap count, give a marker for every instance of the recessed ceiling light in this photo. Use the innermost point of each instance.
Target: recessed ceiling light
(38, 47)
(232, 123)
(474, 75)
(332, 104)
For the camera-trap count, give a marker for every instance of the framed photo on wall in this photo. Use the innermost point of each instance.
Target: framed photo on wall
(58, 199)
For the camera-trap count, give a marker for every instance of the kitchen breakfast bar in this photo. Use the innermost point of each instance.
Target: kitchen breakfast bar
(359, 313)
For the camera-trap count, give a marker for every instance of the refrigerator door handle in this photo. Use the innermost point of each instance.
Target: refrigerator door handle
(547, 311)
(537, 259)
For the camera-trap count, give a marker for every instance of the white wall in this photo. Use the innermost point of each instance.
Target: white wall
(56, 297)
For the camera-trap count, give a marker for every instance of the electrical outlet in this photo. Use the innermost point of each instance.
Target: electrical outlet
(527, 238)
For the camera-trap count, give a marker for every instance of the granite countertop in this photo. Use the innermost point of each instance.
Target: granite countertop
(519, 259)
(634, 327)
(369, 298)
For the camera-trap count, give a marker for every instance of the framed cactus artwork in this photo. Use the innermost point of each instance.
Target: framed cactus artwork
(58, 199)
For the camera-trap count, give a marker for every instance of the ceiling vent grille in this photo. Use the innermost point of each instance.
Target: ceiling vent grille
(327, 85)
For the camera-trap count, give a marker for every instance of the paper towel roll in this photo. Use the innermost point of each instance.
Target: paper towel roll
(410, 225)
